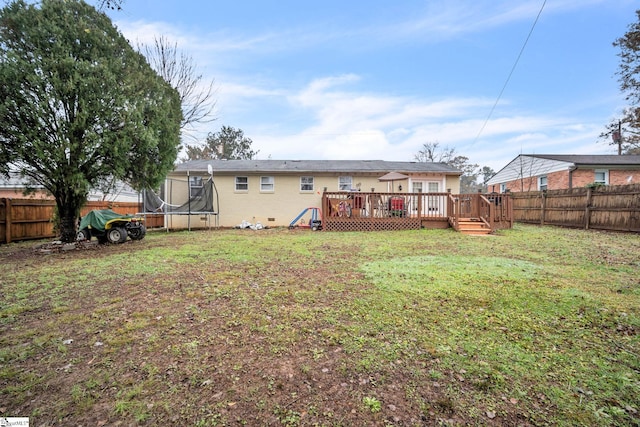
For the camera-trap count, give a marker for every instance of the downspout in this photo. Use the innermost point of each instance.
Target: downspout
(571, 169)
(189, 201)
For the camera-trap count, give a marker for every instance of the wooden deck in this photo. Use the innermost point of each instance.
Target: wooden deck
(468, 213)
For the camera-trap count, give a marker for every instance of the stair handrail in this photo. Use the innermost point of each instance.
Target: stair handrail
(454, 210)
(489, 221)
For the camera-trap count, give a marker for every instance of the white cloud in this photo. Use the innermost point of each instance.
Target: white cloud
(444, 19)
(346, 124)
(332, 117)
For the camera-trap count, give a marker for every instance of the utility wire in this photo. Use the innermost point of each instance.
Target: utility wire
(510, 74)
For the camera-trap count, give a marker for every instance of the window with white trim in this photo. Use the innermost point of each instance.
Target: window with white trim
(195, 186)
(242, 183)
(601, 176)
(345, 183)
(306, 183)
(267, 184)
(503, 188)
(542, 183)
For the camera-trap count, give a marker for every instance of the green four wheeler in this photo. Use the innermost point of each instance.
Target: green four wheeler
(109, 226)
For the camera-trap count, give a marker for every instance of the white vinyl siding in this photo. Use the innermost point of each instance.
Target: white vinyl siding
(524, 167)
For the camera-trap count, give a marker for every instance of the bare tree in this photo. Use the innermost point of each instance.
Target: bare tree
(179, 70)
(110, 4)
(431, 152)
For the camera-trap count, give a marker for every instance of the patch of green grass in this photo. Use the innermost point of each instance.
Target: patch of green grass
(372, 404)
(507, 322)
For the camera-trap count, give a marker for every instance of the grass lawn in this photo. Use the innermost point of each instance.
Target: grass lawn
(532, 326)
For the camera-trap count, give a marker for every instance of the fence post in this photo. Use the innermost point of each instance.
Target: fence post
(7, 223)
(544, 206)
(587, 209)
(510, 210)
(3, 217)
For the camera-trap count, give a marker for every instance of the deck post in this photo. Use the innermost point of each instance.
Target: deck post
(420, 204)
(324, 206)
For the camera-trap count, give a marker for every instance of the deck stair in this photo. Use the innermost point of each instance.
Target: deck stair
(473, 227)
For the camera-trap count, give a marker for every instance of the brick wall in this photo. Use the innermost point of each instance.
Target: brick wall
(624, 177)
(560, 180)
(581, 178)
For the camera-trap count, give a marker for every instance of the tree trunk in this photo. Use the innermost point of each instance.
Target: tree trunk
(68, 228)
(68, 212)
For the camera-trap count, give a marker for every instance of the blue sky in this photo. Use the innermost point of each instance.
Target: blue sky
(378, 79)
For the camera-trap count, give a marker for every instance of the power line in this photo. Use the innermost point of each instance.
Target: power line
(510, 74)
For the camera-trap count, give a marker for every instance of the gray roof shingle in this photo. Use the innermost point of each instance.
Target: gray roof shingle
(594, 159)
(342, 166)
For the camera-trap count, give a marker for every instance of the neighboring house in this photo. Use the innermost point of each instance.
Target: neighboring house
(538, 172)
(118, 192)
(15, 187)
(274, 192)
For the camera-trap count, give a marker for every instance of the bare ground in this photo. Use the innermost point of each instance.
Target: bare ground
(219, 346)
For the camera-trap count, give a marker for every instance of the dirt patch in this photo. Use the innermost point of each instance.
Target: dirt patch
(214, 336)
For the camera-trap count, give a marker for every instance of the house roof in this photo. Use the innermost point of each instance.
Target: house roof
(15, 181)
(590, 160)
(530, 165)
(345, 166)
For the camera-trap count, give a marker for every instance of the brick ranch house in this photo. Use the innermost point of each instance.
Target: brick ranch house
(538, 172)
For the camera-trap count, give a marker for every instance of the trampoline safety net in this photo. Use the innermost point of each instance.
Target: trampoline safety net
(203, 199)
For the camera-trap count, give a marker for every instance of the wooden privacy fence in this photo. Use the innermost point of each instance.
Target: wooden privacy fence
(24, 219)
(615, 208)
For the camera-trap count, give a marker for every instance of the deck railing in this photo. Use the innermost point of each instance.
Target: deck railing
(353, 211)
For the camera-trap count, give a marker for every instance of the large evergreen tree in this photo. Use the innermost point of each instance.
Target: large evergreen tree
(78, 104)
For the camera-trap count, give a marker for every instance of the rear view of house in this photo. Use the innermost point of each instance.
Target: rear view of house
(273, 192)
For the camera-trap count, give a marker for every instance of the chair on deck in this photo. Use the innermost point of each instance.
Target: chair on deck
(380, 207)
(398, 206)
